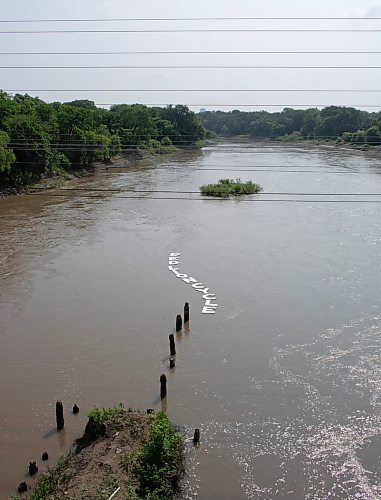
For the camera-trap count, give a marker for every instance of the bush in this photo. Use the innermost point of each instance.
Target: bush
(166, 141)
(230, 187)
(159, 463)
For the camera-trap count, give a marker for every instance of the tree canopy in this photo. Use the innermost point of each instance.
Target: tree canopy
(37, 138)
(333, 122)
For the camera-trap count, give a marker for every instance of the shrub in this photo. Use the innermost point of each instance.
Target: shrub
(230, 187)
(100, 415)
(159, 463)
(166, 141)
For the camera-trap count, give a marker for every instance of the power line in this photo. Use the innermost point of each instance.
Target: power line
(195, 30)
(210, 142)
(166, 191)
(40, 143)
(197, 90)
(125, 19)
(150, 52)
(218, 200)
(266, 170)
(25, 143)
(189, 67)
(224, 105)
(211, 166)
(259, 168)
(91, 148)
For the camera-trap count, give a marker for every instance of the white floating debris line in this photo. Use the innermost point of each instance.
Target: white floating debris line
(210, 306)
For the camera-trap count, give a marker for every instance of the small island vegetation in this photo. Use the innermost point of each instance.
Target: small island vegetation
(230, 187)
(140, 453)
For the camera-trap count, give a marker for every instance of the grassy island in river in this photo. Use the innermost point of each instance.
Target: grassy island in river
(230, 187)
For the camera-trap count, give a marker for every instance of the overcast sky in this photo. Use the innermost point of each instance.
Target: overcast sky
(145, 80)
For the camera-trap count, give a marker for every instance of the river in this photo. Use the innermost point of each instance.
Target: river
(284, 380)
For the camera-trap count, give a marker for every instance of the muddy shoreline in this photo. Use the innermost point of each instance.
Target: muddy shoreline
(54, 182)
(111, 459)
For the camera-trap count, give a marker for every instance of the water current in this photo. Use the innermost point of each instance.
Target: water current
(284, 380)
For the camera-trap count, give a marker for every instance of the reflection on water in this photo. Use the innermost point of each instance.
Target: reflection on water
(283, 381)
(317, 450)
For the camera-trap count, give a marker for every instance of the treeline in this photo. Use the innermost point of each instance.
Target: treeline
(40, 139)
(331, 123)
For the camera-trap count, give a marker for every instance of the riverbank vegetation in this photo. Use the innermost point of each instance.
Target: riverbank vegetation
(142, 454)
(230, 187)
(38, 139)
(334, 123)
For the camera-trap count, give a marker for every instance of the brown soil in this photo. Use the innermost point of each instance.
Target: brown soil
(55, 181)
(99, 467)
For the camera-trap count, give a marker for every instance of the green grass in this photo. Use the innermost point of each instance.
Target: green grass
(100, 415)
(47, 483)
(159, 464)
(154, 472)
(230, 187)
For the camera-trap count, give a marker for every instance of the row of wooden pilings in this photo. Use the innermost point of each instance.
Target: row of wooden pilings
(172, 361)
(60, 420)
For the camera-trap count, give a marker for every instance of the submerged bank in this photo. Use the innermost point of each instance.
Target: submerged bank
(132, 454)
(58, 180)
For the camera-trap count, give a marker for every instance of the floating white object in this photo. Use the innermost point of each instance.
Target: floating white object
(210, 306)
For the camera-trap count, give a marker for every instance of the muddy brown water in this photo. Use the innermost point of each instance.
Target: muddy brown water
(284, 380)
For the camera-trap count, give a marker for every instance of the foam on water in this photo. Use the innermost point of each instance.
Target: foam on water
(333, 386)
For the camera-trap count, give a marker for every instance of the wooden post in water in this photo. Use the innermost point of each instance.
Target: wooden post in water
(23, 487)
(163, 386)
(75, 409)
(196, 437)
(33, 469)
(186, 312)
(179, 323)
(59, 416)
(172, 346)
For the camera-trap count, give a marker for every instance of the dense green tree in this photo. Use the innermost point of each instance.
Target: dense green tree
(329, 123)
(39, 139)
(7, 156)
(373, 136)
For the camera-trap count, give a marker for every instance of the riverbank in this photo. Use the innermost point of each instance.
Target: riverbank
(57, 181)
(137, 455)
(297, 140)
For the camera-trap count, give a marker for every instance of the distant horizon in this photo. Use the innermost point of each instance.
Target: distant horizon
(200, 108)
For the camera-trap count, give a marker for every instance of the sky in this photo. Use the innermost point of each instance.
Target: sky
(206, 87)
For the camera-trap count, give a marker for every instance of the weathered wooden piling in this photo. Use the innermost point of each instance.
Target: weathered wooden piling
(163, 386)
(33, 469)
(179, 323)
(172, 346)
(186, 312)
(45, 456)
(59, 416)
(75, 409)
(22, 488)
(196, 437)
(172, 362)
